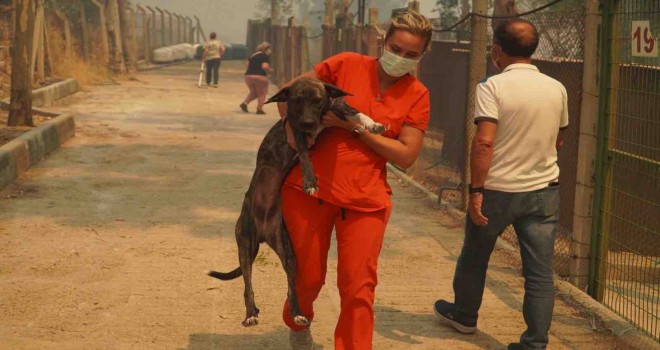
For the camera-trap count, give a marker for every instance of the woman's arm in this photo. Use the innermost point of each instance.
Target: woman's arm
(265, 66)
(402, 151)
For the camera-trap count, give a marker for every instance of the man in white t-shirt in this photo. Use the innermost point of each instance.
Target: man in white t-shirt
(514, 181)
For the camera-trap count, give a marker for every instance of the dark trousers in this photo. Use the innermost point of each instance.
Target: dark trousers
(534, 216)
(212, 68)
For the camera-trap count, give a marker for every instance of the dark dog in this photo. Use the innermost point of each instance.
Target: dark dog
(261, 217)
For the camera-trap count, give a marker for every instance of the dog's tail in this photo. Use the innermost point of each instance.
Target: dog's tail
(225, 276)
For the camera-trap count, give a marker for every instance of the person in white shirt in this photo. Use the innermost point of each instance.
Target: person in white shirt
(213, 51)
(514, 181)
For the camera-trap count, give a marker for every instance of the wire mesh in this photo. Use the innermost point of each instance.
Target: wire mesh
(445, 72)
(628, 262)
(559, 55)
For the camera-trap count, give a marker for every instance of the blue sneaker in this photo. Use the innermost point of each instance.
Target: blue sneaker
(445, 311)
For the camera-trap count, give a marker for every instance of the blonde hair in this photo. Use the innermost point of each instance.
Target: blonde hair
(413, 23)
(263, 47)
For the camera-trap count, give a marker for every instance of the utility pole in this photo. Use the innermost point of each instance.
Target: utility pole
(20, 106)
(478, 47)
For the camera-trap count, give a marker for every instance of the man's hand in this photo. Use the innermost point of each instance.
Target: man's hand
(474, 209)
(291, 139)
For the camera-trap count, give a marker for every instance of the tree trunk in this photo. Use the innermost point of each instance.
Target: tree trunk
(20, 107)
(105, 47)
(127, 28)
(114, 31)
(85, 32)
(37, 37)
(503, 8)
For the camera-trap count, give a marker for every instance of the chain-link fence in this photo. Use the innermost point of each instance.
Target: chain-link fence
(445, 72)
(559, 56)
(626, 274)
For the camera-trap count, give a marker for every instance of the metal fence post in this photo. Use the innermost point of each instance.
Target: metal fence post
(597, 243)
(478, 46)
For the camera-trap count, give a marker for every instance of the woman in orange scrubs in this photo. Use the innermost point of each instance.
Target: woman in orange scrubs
(350, 165)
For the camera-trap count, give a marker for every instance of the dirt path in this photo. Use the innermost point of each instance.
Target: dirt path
(103, 245)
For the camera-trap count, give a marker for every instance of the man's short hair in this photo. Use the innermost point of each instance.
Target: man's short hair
(515, 42)
(213, 35)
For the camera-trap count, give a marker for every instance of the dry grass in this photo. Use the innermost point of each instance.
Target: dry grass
(74, 67)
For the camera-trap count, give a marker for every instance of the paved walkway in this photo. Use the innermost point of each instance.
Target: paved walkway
(103, 245)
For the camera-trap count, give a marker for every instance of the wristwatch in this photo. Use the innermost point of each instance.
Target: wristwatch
(472, 190)
(357, 130)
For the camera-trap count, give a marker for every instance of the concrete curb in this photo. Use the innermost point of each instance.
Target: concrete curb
(25, 151)
(47, 95)
(622, 329)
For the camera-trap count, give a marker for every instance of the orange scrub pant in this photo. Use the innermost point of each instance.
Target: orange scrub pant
(359, 240)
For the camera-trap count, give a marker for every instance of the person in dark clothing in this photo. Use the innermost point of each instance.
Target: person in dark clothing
(256, 77)
(213, 51)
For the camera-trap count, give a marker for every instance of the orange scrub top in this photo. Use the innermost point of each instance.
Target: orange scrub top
(350, 174)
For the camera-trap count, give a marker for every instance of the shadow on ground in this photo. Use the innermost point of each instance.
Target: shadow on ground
(278, 339)
(403, 327)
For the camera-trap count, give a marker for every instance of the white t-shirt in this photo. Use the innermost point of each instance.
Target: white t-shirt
(213, 48)
(529, 108)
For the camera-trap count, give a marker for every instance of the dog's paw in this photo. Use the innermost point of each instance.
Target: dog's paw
(251, 321)
(301, 320)
(311, 190)
(377, 128)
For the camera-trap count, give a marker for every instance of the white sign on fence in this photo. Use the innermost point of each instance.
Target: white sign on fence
(643, 44)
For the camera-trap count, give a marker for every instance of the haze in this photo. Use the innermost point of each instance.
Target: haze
(229, 18)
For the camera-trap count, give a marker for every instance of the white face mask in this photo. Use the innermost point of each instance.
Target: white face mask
(395, 65)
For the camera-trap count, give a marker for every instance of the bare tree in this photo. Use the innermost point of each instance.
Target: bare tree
(20, 108)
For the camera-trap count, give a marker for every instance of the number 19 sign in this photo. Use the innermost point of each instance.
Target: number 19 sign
(643, 43)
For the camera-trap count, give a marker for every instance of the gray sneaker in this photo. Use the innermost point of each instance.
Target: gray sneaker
(301, 340)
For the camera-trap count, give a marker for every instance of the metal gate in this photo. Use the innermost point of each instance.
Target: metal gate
(625, 271)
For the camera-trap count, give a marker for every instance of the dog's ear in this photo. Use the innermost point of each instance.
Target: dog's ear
(280, 96)
(334, 92)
